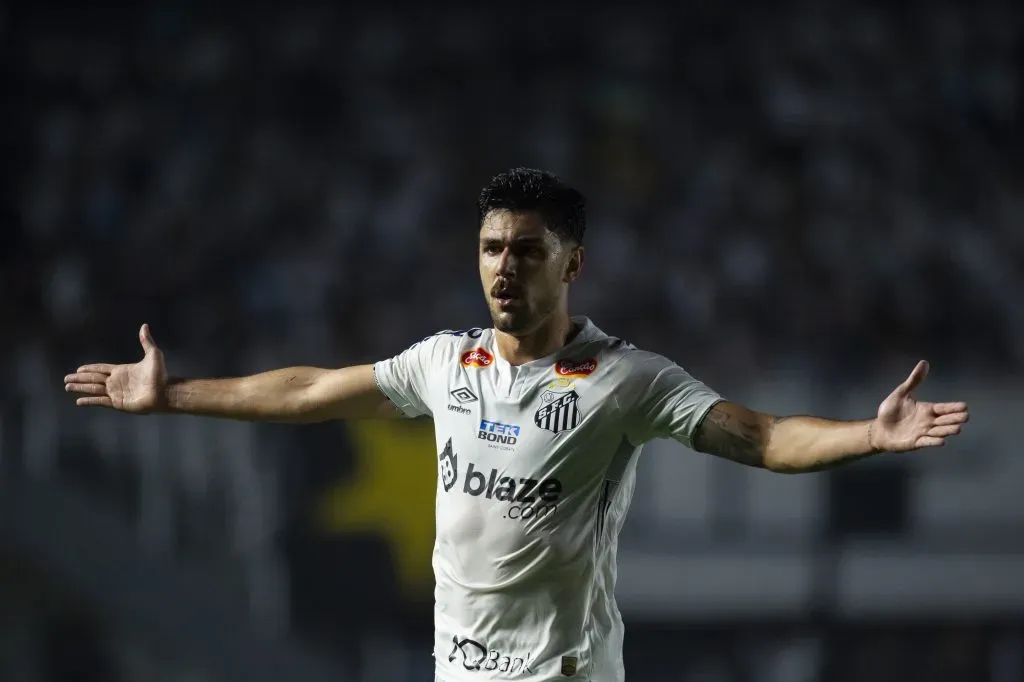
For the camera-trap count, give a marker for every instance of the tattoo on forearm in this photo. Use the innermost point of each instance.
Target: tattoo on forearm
(734, 433)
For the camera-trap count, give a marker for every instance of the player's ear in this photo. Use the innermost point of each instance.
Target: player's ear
(574, 266)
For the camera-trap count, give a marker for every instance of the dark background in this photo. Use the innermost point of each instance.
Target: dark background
(795, 201)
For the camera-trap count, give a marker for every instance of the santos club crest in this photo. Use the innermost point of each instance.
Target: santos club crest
(559, 412)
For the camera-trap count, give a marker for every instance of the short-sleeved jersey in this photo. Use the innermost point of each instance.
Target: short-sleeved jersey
(536, 468)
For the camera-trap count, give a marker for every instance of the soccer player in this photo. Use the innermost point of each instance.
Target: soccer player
(539, 421)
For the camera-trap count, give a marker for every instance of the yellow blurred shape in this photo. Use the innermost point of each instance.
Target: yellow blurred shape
(392, 493)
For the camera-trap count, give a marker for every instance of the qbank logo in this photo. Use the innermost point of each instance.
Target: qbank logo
(475, 657)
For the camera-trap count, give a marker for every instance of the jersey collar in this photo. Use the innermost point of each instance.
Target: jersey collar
(588, 332)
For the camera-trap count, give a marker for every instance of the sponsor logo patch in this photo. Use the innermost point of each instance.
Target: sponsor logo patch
(478, 357)
(448, 466)
(475, 656)
(497, 434)
(525, 498)
(576, 369)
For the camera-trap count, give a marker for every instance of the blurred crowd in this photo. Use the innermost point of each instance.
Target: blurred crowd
(794, 187)
(823, 190)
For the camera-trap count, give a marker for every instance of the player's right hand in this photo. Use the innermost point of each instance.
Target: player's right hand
(137, 388)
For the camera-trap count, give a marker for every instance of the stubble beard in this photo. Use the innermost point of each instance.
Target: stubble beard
(511, 322)
(522, 321)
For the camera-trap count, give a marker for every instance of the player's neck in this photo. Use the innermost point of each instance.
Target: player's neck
(555, 333)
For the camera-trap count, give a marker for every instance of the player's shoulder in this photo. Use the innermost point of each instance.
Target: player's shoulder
(621, 351)
(451, 341)
(603, 358)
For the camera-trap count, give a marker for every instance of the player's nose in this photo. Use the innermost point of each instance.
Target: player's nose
(507, 264)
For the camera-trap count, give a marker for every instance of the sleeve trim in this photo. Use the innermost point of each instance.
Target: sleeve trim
(404, 408)
(700, 420)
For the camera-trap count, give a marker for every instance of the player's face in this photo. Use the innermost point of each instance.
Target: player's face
(525, 269)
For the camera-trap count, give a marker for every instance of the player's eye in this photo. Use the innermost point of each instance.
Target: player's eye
(530, 251)
(492, 249)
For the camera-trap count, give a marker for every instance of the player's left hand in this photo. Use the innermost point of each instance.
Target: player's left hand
(904, 423)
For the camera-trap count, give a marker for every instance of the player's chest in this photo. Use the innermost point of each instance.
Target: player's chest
(528, 409)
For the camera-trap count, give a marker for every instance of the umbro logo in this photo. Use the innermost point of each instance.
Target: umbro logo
(463, 396)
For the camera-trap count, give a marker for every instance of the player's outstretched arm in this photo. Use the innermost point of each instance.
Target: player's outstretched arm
(802, 444)
(294, 394)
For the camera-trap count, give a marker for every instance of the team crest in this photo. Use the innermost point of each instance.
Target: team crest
(560, 411)
(568, 666)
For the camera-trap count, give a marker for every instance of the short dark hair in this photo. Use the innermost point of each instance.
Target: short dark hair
(527, 189)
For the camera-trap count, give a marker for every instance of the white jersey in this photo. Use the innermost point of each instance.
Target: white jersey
(536, 469)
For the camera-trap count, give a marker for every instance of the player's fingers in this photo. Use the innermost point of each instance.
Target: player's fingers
(102, 368)
(86, 389)
(86, 378)
(94, 402)
(952, 418)
(930, 442)
(914, 380)
(944, 431)
(949, 408)
(146, 339)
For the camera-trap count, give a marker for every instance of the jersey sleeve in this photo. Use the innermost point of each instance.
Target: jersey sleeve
(667, 403)
(408, 379)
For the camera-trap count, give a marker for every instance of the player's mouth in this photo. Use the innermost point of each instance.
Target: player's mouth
(508, 302)
(507, 296)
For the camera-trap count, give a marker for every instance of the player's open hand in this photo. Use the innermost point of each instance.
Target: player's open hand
(137, 388)
(904, 423)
